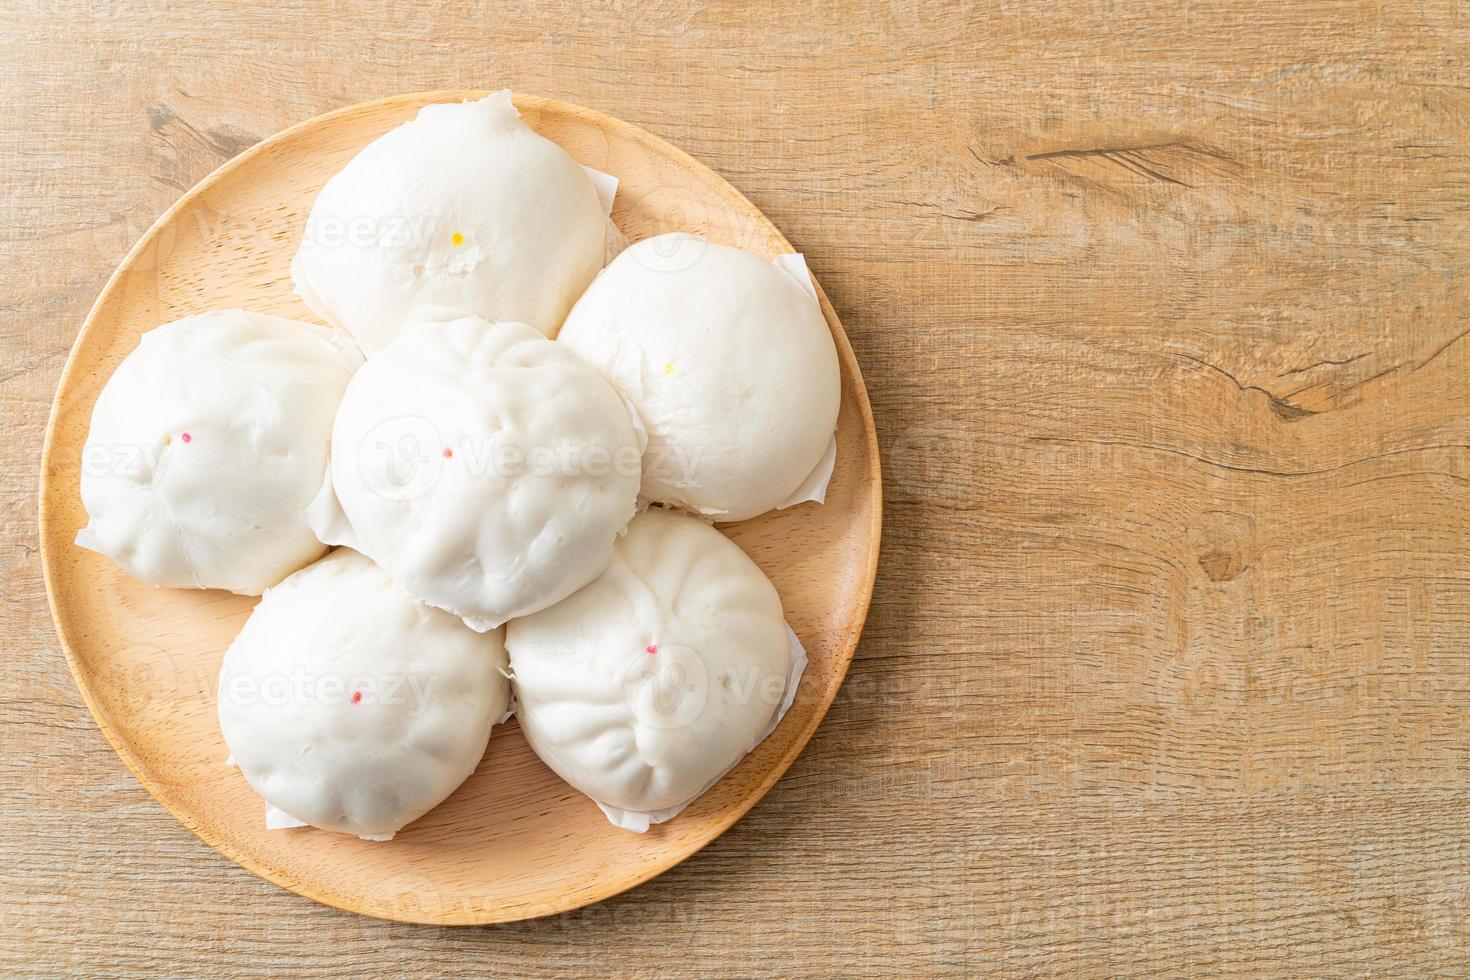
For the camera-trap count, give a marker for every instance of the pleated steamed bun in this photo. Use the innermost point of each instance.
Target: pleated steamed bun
(648, 684)
(207, 443)
(731, 367)
(351, 707)
(463, 206)
(486, 468)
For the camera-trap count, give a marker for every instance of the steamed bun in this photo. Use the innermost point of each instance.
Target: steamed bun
(649, 683)
(729, 363)
(463, 206)
(351, 707)
(207, 443)
(486, 468)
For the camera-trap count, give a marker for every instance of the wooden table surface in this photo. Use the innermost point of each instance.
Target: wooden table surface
(1163, 318)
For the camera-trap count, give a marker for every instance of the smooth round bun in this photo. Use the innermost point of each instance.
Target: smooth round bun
(728, 361)
(207, 443)
(351, 707)
(652, 681)
(486, 468)
(463, 206)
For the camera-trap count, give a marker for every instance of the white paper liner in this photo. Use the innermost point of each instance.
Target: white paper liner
(278, 819)
(814, 487)
(607, 188)
(327, 520)
(510, 710)
(795, 264)
(476, 624)
(639, 821)
(616, 243)
(87, 539)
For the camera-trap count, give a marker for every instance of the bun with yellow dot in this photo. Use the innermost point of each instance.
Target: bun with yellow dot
(464, 206)
(730, 364)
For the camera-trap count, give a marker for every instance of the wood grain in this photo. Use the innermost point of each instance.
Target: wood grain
(1160, 312)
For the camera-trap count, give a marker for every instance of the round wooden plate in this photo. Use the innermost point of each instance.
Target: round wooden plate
(514, 841)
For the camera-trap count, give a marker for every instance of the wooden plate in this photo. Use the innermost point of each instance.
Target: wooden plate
(514, 841)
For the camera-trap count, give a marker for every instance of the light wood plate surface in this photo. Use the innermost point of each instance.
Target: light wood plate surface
(514, 841)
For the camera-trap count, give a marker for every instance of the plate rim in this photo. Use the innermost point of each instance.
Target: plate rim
(478, 915)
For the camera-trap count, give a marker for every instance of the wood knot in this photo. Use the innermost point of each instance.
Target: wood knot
(1220, 566)
(1224, 543)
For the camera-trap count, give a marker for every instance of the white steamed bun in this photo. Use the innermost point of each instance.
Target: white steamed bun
(729, 363)
(207, 443)
(648, 684)
(351, 707)
(463, 206)
(486, 468)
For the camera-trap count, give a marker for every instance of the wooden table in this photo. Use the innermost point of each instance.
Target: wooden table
(1162, 314)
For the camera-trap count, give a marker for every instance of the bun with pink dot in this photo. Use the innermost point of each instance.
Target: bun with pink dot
(645, 725)
(207, 443)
